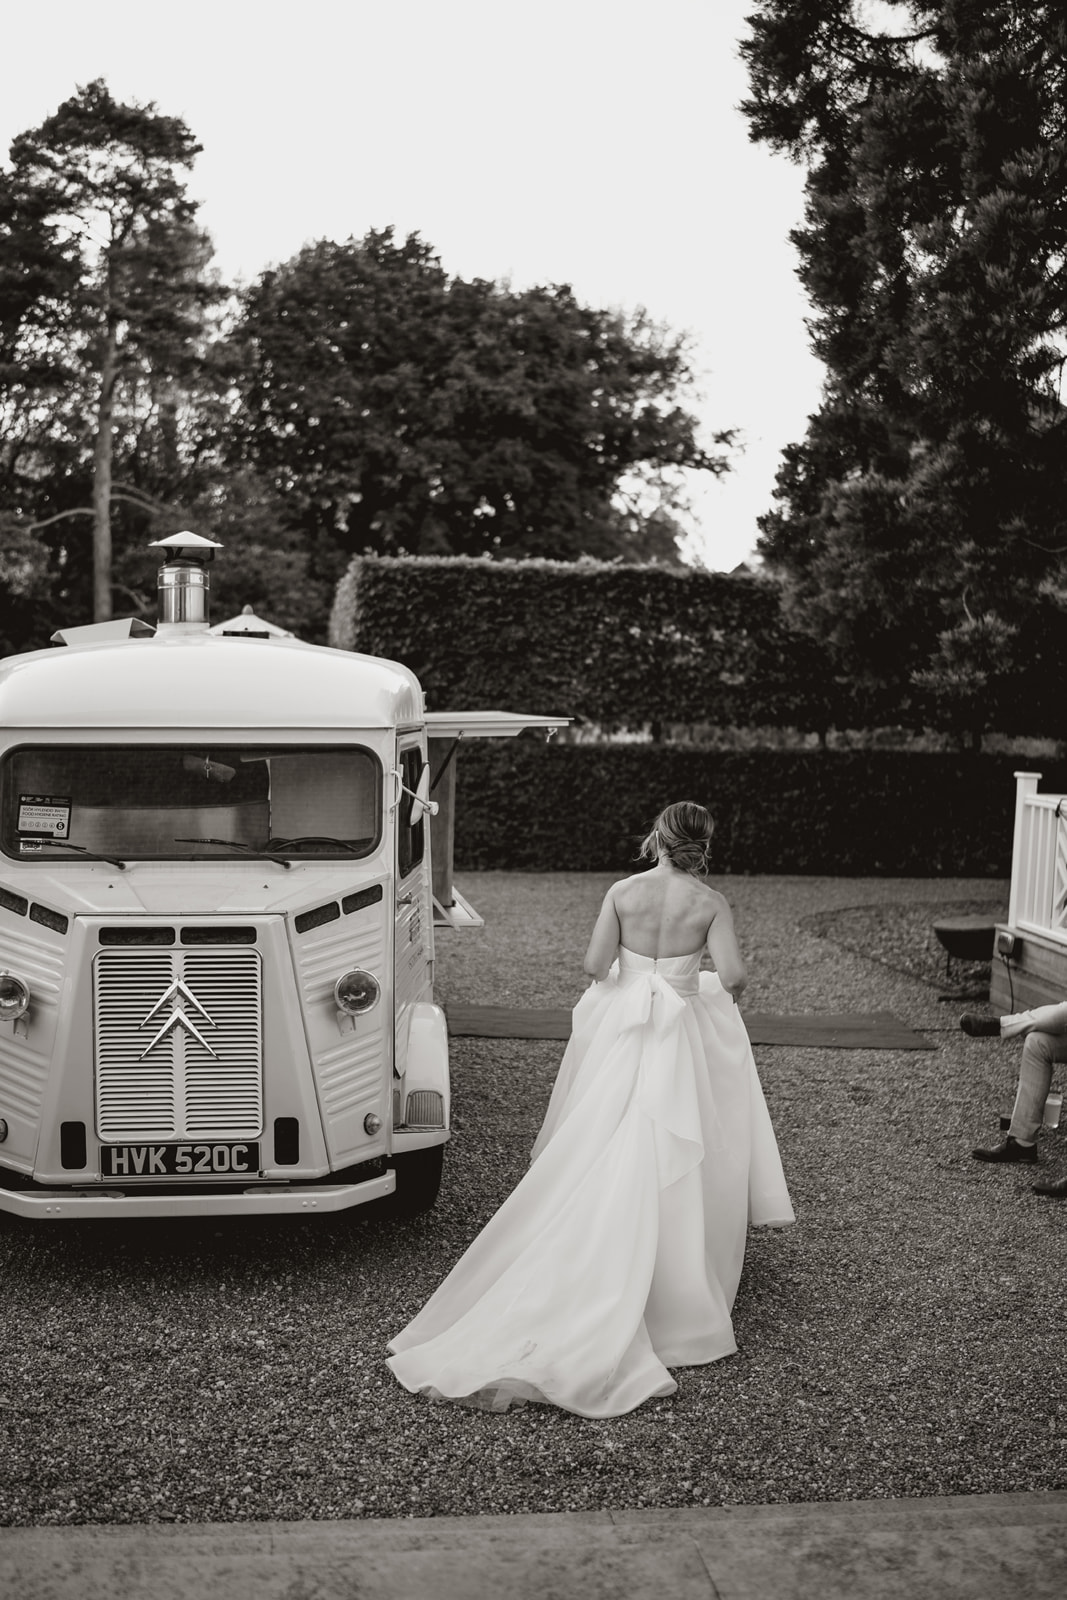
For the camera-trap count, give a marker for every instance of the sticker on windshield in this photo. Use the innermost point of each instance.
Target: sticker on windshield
(44, 816)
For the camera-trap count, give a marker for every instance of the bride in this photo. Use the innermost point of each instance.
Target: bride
(618, 1254)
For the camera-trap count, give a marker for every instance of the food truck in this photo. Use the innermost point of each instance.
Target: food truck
(217, 920)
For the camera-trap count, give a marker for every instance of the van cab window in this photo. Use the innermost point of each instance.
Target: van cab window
(190, 801)
(410, 842)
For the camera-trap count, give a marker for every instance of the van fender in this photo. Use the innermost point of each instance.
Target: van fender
(426, 1065)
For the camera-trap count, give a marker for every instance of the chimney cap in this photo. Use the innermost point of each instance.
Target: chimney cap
(192, 542)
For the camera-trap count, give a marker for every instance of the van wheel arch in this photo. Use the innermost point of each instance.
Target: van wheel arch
(418, 1181)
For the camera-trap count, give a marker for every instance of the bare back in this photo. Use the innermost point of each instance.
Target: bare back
(665, 913)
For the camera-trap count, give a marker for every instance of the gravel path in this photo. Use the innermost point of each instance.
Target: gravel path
(904, 1339)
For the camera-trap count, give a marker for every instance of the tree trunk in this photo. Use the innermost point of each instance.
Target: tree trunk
(102, 448)
(168, 434)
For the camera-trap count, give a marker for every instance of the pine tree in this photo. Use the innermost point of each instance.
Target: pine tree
(116, 292)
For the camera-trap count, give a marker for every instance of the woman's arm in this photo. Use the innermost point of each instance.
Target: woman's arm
(725, 953)
(604, 941)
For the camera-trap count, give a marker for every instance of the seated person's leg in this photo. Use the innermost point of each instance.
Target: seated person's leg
(1042, 1019)
(1040, 1051)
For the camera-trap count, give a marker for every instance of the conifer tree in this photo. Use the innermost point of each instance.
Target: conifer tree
(920, 525)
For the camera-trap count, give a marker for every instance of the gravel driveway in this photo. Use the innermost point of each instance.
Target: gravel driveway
(905, 1338)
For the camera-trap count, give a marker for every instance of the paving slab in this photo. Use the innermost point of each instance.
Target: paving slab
(846, 1030)
(985, 1547)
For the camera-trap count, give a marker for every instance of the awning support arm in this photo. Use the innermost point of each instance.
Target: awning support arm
(443, 768)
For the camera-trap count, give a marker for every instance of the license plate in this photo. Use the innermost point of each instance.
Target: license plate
(179, 1160)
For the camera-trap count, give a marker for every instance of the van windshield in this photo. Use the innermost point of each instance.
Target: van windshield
(189, 802)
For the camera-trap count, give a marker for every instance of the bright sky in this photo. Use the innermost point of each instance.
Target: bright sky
(589, 142)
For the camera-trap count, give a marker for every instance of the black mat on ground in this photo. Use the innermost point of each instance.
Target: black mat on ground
(851, 1030)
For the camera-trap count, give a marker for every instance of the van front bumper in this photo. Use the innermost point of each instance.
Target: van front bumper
(264, 1200)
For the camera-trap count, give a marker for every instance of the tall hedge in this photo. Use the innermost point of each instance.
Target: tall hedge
(525, 805)
(603, 643)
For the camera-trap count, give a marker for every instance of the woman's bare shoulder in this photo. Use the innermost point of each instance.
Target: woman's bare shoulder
(623, 885)
(716, 896)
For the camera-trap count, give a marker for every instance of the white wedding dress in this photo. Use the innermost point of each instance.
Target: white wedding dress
(618, 1254)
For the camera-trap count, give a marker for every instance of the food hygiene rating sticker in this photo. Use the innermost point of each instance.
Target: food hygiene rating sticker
(44, 816)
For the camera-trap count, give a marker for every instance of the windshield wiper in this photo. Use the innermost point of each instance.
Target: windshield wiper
(93, 855)
(314, 838)
(237, 844)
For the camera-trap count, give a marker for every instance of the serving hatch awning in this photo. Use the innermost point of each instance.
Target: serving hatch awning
(445, 730)
(487, 724)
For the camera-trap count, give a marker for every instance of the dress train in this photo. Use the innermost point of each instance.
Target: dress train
(618, 1254)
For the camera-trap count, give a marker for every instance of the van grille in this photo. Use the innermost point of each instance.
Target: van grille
(155, 1079)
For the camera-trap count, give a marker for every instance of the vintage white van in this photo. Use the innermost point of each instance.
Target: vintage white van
(217, 921)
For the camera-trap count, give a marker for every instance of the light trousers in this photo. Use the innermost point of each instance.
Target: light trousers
(1045, 1044)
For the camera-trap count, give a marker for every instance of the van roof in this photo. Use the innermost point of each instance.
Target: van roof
(186, 678)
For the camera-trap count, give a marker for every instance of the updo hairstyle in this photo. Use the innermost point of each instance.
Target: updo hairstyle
(681, 832)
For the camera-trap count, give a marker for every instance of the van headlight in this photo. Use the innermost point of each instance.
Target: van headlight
(14, 997)
(356, 992)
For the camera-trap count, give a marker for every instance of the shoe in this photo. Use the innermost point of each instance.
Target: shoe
(980, 1027)
(1058, 1188)
(1010, 1150)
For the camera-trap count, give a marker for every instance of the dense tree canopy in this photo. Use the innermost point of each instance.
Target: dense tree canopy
(921, 524)
(396, 408)
(355, 398)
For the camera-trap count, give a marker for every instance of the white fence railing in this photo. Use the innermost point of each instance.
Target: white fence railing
(1039, 860)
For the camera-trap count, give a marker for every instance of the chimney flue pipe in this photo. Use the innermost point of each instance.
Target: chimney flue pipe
(184, 581)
